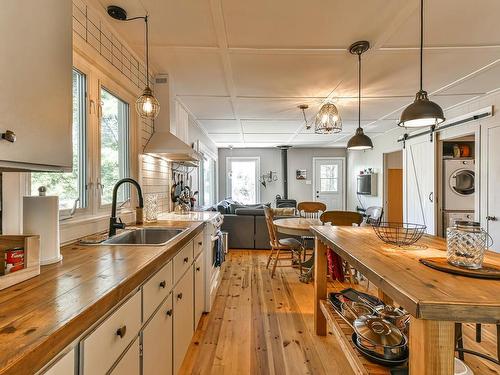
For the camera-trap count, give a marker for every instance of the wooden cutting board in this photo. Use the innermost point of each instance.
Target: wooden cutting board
(488, 271)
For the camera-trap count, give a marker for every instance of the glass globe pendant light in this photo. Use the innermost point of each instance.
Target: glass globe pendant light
(422, 112)
(328, 120)
(360, 141)
(146, 105)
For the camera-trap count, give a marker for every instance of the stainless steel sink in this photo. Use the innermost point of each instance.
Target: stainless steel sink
(144, 236)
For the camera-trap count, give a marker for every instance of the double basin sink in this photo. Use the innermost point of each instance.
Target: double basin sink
(153, 236)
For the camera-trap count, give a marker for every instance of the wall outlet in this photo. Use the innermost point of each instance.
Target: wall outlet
(308, 182)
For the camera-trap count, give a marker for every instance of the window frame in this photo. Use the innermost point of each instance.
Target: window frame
(206, 152)
(229, 160)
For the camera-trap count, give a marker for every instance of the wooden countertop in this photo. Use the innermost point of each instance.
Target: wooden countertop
(424, 292)
(43, 315)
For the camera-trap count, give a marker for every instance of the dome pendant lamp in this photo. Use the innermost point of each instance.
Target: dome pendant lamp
(359, 141)
(422, 112)
(146, 105)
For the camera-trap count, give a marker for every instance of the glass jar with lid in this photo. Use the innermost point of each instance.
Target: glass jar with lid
(466, 244)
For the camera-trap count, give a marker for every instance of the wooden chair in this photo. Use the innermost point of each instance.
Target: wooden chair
(374, 214)
(347, 219)
(289, 247)
(310, 210)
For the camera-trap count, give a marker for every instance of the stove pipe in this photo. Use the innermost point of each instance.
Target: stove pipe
(284, 168)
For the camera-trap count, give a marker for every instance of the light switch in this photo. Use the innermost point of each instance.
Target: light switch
(308, 182)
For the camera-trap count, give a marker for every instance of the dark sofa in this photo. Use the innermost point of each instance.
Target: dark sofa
(245, 224)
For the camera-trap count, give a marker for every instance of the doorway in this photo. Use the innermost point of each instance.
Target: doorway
(393, 186)
(328, 182)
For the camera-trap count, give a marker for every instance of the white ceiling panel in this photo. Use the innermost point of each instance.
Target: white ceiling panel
(483, 82)
(230, 139)
(205, 107)
(269, 126)
(221, 126)
(171, 22)
(452, 23)
(189, 71)
(311, 23)
(274, 108)
(267, 138)
(288, 75)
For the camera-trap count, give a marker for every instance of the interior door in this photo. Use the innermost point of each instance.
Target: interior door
(419, 179)
(492, 176)
(394, 195)
(329, 182)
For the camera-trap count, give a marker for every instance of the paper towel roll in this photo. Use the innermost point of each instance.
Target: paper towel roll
(41, 216)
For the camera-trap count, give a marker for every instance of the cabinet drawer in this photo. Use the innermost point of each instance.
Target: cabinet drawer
(199, 289)
(130, 363)
(102, 347)
(198, 245)
(182, 261)
(157, 342)
(64, 365)
(156, 289)
(183, 318)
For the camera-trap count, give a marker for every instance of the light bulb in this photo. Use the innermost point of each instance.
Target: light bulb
(147, 106)
(324, 119)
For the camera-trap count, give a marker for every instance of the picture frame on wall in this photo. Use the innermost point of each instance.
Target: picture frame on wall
(301, 174)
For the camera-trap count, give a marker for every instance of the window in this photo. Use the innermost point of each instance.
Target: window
(329, 177)
(70, 187)
(208, 181)
(242, 179)
(114, 145)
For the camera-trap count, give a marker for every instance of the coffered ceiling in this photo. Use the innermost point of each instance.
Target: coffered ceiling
(242, 67)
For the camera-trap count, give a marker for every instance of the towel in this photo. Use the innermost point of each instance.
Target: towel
(335, 265)
(219, 253)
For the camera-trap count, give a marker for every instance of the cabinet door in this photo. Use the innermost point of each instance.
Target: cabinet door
(491, 172)
(36, 82)
(419, 170)
(199, 289)
(157, 342)
(130, 363)
(183, 318)
(64, 365)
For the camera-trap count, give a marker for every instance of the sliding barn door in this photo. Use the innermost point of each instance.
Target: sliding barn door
(419, 181)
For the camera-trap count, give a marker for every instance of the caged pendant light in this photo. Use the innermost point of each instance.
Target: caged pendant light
(146, 105)
(359, 141)
(422, 112)
(328, 120)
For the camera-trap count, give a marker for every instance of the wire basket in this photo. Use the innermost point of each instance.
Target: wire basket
(399, 234)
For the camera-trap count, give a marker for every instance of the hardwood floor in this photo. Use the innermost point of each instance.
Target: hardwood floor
(260, 325)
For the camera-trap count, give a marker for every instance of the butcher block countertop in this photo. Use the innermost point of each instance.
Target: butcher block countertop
(43, 315)
(424, 292)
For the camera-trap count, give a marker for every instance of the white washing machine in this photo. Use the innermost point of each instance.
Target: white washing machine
(459, 184)
(449, 219)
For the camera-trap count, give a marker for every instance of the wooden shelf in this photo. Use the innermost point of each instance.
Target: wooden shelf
(343, 332)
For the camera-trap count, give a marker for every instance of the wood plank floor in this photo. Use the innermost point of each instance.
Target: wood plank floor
(260, 325)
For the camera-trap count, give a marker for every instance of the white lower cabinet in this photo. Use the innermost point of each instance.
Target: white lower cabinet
(183, 318)
(64, 365)
(157, 341)
(199, 289)
(130, 363)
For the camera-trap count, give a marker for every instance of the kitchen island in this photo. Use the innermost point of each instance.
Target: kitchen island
(435, 300)
(51, 313)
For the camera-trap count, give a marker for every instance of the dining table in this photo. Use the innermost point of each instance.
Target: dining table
(301, 227)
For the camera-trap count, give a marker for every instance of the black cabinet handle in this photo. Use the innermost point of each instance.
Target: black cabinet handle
(200, 243)
(121, 331)
(169, 312)
(179, 296)
(186, 259)
(198, 269)
(163, 284)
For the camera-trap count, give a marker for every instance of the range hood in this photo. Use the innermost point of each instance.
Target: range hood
(162, 142)
(166, 145)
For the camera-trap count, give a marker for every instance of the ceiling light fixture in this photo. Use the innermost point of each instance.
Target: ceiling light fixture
(146, 105)
(328, 120)
(303, 108)
(422, 112)
(359, 141)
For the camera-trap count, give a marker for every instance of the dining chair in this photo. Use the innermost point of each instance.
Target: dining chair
(373, 215)
(290, 248)
(343, 218)
(310, 210)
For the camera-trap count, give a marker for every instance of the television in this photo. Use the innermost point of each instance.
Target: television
(367, 184)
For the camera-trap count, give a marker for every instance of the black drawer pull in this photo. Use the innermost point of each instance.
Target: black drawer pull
(186, 259)
(169, 312)
(163, 284)
(121, 331)
(179, 296)
(200, 243)
(198, 269)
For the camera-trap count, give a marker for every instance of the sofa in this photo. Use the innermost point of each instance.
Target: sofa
(246, 224)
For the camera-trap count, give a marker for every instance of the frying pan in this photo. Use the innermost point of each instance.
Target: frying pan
(173, 189)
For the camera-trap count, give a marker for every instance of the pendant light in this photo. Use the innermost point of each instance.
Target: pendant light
(146, 105)
(328, 120)
(422, 112)
(359, 141)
